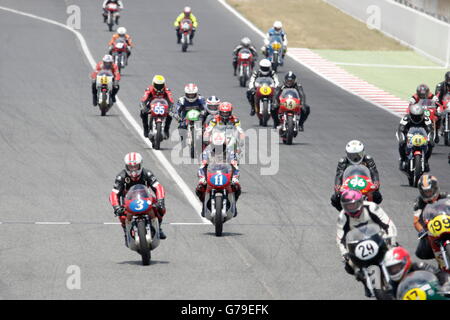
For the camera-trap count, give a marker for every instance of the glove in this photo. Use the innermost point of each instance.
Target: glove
(202, 180)
(119, 211)
(160, 205)
(235, 180)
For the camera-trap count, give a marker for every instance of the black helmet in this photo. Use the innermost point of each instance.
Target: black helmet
(290, 79)
(428, 187)
(447, 78)
(422, 91)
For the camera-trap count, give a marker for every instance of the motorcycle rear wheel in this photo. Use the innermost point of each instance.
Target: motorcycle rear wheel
(144, 249)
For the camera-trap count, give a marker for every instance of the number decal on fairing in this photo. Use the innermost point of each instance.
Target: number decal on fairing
(159, 109)
(366, 250)
(358, 183)
(219, 180)
(139, 205)
(415, 294)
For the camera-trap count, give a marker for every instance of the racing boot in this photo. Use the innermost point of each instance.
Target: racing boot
(402, 165)
(117, 19)
(162, 235)
(167, 127)
(427, 167)
(252, 111)
(125, 235)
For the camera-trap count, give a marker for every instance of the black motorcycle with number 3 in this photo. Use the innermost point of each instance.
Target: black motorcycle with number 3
(367, 247)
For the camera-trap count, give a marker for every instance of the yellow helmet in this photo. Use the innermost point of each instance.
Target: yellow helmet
(158, 82)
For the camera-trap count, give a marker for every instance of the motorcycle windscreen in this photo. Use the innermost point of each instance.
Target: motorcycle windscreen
(362, 233)
(259, 82)
(290, 93)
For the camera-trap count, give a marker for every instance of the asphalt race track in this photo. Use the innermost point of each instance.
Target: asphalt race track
(59, 159)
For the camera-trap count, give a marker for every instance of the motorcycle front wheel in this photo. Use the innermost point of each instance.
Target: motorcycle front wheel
(144, 249)
(218, 220)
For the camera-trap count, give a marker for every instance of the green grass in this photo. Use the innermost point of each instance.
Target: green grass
(400, 82)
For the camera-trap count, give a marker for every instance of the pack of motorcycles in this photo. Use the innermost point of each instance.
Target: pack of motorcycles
(220, 202)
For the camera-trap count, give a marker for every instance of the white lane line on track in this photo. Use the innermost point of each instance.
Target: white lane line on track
(158, 154)
(51, 222)
(316, 67)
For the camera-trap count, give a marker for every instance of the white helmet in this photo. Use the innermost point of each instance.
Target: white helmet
(277, 25)
(187, 10)
(355, 151)
(191, 92)
(246, 42)
(212, 105)
(121, 31)
(133, 165)
(108, 58)
(108, 61)
(265, 66)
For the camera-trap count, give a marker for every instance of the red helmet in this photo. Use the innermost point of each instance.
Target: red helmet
(352, 202)
(397, 261)
(225, 110)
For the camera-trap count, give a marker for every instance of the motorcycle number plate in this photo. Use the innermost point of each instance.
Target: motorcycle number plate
(357, 183)
(245, 56)
(158, 109)
(418, 140)
(439, 225)
(366, 250)
(119, 45)
(139, 205)
(265, 90)
(415, 294)
(219, 180)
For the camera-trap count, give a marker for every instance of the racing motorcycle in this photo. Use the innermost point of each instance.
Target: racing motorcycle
(194, 132)
(416, 148)
(159, 110)
(289, 113)
(244, 66)
(357, 177)
(104, 84)
(367, 247)
(274, 52)
(141, 224)
(186, 31)
(120, 53)
(437, 219)
(220, 202)
(421, 285)
(430, 110)
(446, 119)
(112, 11)
(265, 87)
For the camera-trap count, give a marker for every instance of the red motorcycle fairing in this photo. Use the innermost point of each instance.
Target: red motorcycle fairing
(159, 108)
